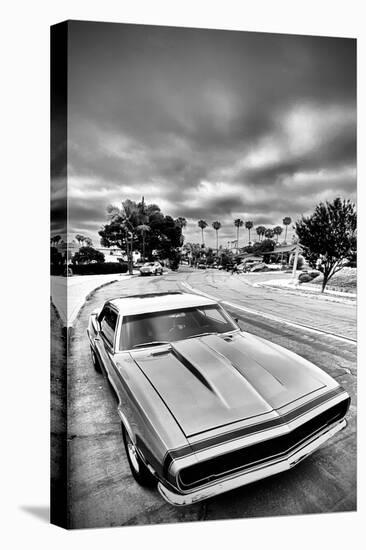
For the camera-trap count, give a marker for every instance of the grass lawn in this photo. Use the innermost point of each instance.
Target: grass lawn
(345, 280)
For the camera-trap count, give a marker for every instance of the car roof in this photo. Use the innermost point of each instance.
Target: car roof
(162, 301)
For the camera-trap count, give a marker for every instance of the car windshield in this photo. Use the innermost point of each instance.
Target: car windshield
(170, 326)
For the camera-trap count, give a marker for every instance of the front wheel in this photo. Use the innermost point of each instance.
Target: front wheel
(139, 470)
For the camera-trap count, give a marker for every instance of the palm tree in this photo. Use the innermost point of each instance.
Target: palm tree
(277, 231)
(143, 229)
(249, 226)
(238, 223)
(260, 231)
(80, 238)
(216, 226)
(181, 222)
(286, 221)
(269, 234)
(202, 224)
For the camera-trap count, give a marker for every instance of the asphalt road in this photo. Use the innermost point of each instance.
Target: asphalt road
(101, 489)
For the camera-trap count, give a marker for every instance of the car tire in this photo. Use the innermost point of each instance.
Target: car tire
(139, 470)
(95, 361)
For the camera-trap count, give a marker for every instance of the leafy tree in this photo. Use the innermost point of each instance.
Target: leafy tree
(141, 227)
(267, 245)
(210, 256)
(260, 231)
(249, 225)
(181, 222)
(329, 236)
(277, 231)
(269, 233)
(226, 259)
(87, 255)
(217, 226)
(286, 222)
(88, 241)
(238, 224)
(202, 224)
(56, 257)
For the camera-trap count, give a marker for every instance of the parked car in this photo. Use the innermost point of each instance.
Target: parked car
(151, 268)
(259, 266)
(247, 265)
(206, 407)
(201, 265)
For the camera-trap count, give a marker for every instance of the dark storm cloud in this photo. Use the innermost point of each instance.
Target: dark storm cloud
(211, 124)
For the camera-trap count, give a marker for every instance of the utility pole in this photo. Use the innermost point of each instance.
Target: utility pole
(296, 257)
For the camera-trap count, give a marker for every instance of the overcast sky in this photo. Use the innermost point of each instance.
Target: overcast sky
(208, 124)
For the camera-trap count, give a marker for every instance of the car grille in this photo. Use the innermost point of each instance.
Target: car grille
(222, 465)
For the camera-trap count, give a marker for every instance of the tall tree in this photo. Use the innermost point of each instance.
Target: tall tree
(202, 224)
(181, 222)
(249, 225)
(277, 231)
(269, 233)
(238, 224)
(260, 231)
(143, 229)
(329, 236)
(286, 222)
(55, 240)
(217, 226)
(80, 239)
(128, 225)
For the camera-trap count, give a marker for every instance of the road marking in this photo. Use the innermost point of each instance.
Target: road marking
(272, 317)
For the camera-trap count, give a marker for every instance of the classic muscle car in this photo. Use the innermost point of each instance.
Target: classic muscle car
(204, 406)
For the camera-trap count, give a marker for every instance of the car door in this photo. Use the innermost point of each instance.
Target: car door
(104, 342)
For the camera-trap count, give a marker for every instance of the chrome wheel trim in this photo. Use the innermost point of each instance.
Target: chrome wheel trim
(132, 453)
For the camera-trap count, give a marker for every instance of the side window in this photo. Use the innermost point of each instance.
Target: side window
(108, 322)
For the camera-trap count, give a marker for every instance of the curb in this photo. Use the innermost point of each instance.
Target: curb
(87, 297)
(350, 297)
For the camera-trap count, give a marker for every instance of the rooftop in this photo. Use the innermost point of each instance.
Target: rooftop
(164, 301)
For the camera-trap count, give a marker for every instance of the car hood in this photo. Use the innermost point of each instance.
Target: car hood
(212, 381)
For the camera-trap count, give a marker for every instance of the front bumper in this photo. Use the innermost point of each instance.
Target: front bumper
(252, 474)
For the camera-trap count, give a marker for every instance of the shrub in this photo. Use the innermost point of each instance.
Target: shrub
(99, 268)
(308, 276)
(88, 254)
(300, 262)
(305, 278)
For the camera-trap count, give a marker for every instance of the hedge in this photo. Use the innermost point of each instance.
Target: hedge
(105, 268)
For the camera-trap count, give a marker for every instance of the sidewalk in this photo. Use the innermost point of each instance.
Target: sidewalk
(307, 289)
(68, 294)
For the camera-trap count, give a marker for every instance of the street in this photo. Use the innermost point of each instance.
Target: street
(102, 491)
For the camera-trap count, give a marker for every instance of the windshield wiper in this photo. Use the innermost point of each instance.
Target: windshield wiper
(153, 343)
